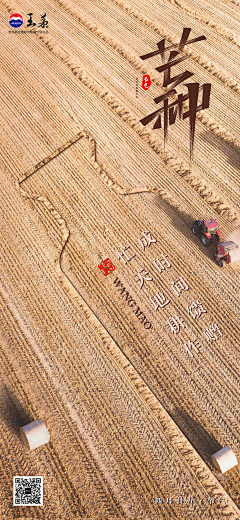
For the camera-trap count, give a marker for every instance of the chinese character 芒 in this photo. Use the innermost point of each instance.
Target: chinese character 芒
(122, 255)
(190, 345)
(195, 310)
(143, 277)
(30, 21)
(213, 333)
(175, 322)
(179, 286)
(147, 239)
(170, 110)
(44, 22)
(161, 264)
(106, 266)
(159, 301)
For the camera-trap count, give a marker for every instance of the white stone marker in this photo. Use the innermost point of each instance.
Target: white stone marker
(34, 434)
(224, 459)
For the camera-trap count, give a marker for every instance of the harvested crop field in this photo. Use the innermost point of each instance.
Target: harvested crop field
(133, 364)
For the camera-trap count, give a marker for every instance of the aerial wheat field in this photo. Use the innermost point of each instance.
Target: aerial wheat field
(119, 322)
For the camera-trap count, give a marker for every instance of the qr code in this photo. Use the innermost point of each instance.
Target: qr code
(28, 491)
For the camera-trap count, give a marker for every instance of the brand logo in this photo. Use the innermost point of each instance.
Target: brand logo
(15, 20)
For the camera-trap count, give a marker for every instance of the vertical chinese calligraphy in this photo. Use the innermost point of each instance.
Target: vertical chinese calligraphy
(170, 110)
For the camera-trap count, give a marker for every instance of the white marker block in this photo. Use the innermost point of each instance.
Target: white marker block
(34, 434)
(224, 459)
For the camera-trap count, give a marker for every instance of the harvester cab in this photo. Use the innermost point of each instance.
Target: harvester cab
(207, 230)
(227, 252)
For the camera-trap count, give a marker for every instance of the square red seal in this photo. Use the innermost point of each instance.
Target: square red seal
(106, 266)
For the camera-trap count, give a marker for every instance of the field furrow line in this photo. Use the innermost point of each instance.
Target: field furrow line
(213, 127)
(125, 321)
(52, 126)
(70, 288)
(17, 140)
(59, 226)
(119, 354)
(207, 192)
(126, 442)
(223, 9)
(200, 16)
(77, 259)
(104, 174)
(54, 154)
(95, 161)
(63, 241)
(220, 131)
(127, 404)
(230, 193)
